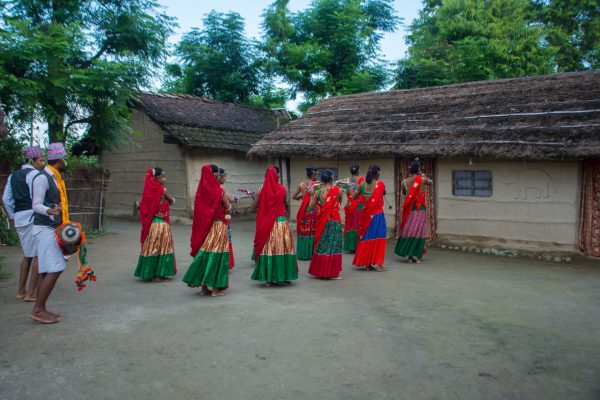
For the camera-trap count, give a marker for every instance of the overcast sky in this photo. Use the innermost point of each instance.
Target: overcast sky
(189, 14)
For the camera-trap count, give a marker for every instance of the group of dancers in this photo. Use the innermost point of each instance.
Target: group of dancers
(321, 238)
(35, 197)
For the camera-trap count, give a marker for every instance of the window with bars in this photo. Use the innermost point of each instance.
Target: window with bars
(472, 183)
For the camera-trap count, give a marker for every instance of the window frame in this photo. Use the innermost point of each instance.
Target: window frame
(473, 178)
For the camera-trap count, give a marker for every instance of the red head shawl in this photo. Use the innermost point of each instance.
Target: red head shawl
(271, 205)
(206, 208)
(153, 192)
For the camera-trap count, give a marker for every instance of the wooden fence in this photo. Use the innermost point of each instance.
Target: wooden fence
(86, 190)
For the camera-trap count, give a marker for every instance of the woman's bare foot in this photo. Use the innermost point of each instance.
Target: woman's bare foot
(218, 292)
(287, 283)
(43, 317)
(160, 279)
(267, 284)
(419, 261)
(371, 268)
(205, 291)
(337, 278)
(381, 268)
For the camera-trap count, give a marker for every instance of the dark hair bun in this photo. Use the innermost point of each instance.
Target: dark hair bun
(354, 169)
(373, 170)
(326, 176)
(310, 171)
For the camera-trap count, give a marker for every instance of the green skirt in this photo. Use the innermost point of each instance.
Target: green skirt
(304, 247)
(210, 269)
(277, 262)
(350, 241)
(157, 258)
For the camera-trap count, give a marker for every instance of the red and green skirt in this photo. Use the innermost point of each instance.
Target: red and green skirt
(157, 258)
(327, 258)
(371, 248)
(414, 234)
(277, 261)
(305, 230)
(210, 266)
(351, 234)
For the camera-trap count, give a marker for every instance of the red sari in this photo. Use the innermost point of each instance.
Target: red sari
(373, 230)
(327, 258)
(271, 205)
(150, 203)
(207, 208)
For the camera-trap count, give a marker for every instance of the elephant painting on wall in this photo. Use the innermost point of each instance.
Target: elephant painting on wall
(529, 182)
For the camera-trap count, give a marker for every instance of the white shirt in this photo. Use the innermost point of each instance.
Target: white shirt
(22, 218)
(38, 193)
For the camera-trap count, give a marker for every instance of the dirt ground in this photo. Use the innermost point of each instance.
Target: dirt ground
(461, 326)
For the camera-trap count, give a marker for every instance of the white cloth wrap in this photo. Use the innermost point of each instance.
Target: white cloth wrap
(27, 240)
(50, 256)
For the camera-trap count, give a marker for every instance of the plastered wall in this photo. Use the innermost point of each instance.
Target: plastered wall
(128, 165)
(531, 202)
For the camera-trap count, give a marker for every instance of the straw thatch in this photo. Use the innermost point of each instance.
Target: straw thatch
(197, 122)
(546, 117)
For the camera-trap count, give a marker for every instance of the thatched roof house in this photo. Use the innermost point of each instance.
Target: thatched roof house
(180, 133)
(529, 135)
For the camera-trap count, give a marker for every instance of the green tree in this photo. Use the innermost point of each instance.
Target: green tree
(76, 64)
(468, 40)
(573, 28)
(331, 47)
(217, 62)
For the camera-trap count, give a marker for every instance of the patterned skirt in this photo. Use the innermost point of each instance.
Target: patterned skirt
(327, 259)
(351, 234)
(371, 248)
(277, 262)
(305, 230)
(210, 267)
(412, 238)
(157, 258)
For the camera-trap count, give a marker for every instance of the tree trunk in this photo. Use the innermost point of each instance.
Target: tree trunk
(56, 93)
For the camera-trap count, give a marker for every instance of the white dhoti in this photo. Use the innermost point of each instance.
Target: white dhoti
(27, 240)
(50, 255)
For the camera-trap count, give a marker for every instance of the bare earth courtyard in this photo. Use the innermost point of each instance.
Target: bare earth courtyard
(461, 326)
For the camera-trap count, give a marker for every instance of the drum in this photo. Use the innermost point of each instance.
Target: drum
(69, 237)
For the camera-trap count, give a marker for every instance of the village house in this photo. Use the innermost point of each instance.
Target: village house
(515, 162)
(181, 133)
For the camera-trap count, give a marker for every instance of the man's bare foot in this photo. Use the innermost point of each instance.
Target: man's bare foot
(205, 291)
(57, 315)
(43, 317)
(29, 298)
(20, 296)
(218, 292)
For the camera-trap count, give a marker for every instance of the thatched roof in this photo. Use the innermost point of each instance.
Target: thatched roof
(202, 123)
(546, 117)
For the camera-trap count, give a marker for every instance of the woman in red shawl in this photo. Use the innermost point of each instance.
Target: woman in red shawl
(372, 234)
(274, 251)
(157, 258)
(413, 227)
(352, 211)
(326, 261)
(211, 236)
(306, 217)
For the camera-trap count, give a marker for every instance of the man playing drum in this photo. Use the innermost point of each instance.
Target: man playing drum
(51, 210)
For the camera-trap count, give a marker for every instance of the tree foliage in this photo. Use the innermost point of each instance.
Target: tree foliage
(79, 62)
(217, 62)
(468, 40)
(573, 28)
(329, 48)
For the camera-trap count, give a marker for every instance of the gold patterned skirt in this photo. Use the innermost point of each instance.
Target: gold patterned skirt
(157, 258)
(277, 261)
(211, 265)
